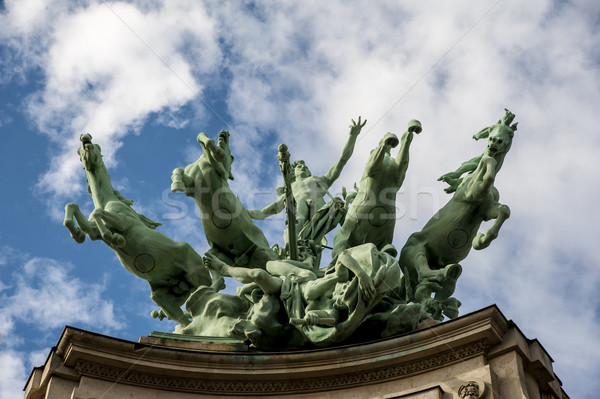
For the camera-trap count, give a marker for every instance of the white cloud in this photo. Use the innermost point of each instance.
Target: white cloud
(42, 295)
(45, 295)
(107, 68)
(12, 374)
(540, 62)
(300, 71)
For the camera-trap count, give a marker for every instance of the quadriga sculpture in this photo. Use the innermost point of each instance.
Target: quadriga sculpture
(429, 260)
(229, 230)
(173, 269)
(293, 303)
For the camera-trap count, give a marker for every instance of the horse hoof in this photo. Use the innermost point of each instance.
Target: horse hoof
(177, 187)
(79, 238)
(118, 240)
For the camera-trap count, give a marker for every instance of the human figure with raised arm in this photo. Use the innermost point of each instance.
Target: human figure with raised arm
(372, 215)
(309, 190)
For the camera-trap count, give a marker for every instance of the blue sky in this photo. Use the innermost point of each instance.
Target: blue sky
(145, 77)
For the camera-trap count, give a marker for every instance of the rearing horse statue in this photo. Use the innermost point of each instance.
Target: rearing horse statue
(429, 260)
(229, 230)
(173, 269)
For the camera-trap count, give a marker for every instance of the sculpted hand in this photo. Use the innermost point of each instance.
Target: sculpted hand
(356, 127)
(367, 288)
(312, 318)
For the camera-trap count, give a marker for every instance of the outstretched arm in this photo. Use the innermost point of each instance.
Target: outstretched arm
(314, 289)
(337, 167)
(269, 210)
(268, 283)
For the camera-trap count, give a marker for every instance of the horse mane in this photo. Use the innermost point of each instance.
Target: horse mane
(469, 166)
(147, 221)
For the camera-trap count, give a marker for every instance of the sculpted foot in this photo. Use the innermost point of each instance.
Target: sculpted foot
(214, 263)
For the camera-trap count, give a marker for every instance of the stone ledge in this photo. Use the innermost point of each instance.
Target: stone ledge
(181, 341)
(480, 346)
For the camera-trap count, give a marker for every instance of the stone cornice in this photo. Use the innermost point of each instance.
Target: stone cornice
(441, 359)
(196, 369)
(223, 386)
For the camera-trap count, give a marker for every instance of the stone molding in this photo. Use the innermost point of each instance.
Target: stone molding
(434, 360)
(113, 374)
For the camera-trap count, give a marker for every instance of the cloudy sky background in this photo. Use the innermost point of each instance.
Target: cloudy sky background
(144, 77)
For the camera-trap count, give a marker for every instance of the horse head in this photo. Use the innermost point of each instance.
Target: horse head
(499, 141)
(223, 143)
(89, 154)
(499, 136)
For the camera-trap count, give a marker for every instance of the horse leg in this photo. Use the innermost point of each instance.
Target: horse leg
(188, 260)
(482, 180)
(76, 232)
(415, 267)
(442, 287)
(499, 212)
(180, 181)
(87, 226)
(114, 239)
(169, 304)
(83, 226)
(451, 274)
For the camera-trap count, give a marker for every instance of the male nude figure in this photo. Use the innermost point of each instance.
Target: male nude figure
(309, 190)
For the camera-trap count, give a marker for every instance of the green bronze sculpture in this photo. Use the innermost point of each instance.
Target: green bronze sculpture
(429, 260)
(372, 216)
(173, 269)
(229, 230)
(289, 302)
(330, 308)
(308, 192)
